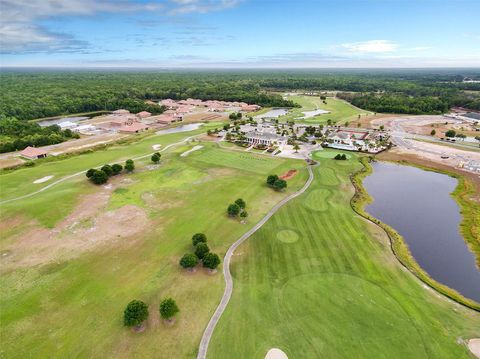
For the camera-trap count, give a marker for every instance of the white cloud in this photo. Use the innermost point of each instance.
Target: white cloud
(371, 46)
(200, 6)
(21, 32)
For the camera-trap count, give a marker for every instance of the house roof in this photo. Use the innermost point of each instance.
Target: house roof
(144, 114)
(32, 152)
(134, 127)
(265, 135)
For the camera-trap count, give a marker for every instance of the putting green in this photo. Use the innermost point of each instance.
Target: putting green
(328, 177)
(330, 154)
(287, 236)
(317, 200)
(373, 313)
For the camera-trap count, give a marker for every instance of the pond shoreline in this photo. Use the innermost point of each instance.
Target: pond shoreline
(397, 243)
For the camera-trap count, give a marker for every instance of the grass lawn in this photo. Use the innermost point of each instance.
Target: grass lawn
(317, 281)
(340, 111)
(20, 182)
(73, 307)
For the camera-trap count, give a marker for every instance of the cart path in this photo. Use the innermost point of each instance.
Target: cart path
(63, 179)
(207, 334)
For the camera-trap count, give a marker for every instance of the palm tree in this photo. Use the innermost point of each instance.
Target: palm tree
(296, 147)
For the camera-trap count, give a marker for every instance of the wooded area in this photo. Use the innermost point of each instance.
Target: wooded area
(35, 94)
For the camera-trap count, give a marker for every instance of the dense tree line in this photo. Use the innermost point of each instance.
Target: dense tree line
(28, 95)
(17, 135)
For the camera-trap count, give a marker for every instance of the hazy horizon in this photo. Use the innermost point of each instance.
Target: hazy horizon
(240, 34)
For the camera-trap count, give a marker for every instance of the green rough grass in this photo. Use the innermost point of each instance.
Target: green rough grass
(73, 308)
(20, 182)
(336, 292)
(340, 111)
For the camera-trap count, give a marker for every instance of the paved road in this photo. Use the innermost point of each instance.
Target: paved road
(207, 334)
(63, 179)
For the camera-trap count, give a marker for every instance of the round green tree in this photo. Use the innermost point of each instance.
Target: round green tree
(189, 260)
(201, 249)
(129, 165)
(450, 133)
(135, 313)
(271, 180)
(280, 185)
(211, 261)
(156, 157)
(233, 210)
(99, 177)
(90, 172)
(199, 238)
(241, 203)
(107, 169)
(244, 214)
(116, 168)
(168, 308)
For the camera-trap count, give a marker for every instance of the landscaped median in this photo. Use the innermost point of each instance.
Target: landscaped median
(398, 245)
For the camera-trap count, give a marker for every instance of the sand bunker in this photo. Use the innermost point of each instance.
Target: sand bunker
(196, 148)
(474, 346)
(275, 353)
(289, 174)
(156, 147)
(43, 179)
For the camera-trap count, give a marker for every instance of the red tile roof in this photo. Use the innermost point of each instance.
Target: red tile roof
(33, 152)
(134, 127)
(144, 114)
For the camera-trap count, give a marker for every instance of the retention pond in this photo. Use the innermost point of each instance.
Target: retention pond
(418, 205)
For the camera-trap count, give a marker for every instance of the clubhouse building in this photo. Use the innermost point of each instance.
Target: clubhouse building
(265, 138)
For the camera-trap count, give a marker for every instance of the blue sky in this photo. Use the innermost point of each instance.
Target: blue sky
(240, 33)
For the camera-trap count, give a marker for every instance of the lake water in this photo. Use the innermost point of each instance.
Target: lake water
(273, 113)
(418, 205)
(60, 120)
(182, 128)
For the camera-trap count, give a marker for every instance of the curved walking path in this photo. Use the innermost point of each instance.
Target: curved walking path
(207, 334)
(82, 172)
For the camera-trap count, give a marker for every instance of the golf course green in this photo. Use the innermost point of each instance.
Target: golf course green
(75, 254)
(337, 291)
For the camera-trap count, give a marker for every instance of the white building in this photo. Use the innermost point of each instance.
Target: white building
(265, 138)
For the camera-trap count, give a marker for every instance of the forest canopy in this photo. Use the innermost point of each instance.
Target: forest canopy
(28, 95)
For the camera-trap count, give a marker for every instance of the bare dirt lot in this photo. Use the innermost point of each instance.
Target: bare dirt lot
(88, 226)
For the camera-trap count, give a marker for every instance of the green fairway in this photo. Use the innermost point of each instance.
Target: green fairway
(71, 305)
(317, 281)
(340, 111)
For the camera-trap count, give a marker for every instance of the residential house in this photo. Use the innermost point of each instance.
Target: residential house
(33, 153)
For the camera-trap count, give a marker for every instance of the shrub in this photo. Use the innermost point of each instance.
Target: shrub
(168, 308)
(280, 185)
(241, 203)
(129, 165)
(107, 169)
(116, 168)
(271, 180)
(211, 261)
(450, 133)
(233, 210)
(201, 249)
(99, 177)
(90, 172)
(156, 157)
(199, 238)
(135, 313)
(189, 260)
